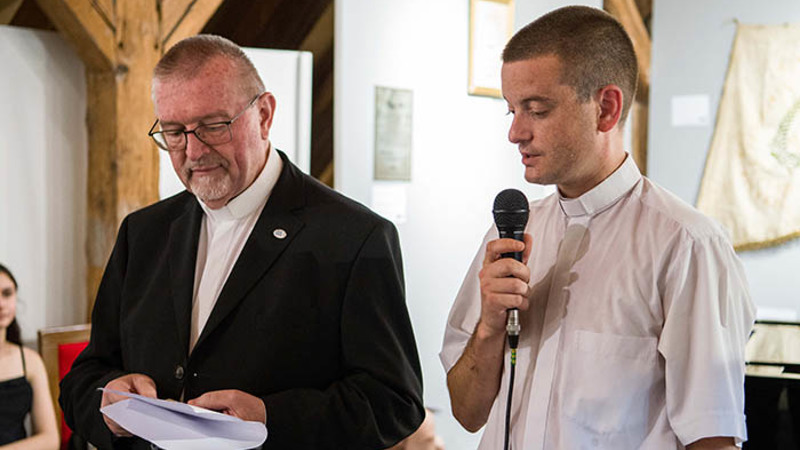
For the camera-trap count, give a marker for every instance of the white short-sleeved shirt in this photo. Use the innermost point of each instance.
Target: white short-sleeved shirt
(639, 314)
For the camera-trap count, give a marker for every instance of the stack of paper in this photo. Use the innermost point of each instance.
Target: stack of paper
(178, 426)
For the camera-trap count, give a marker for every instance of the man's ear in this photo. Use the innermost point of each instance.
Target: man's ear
(609, 98)
(266, 111)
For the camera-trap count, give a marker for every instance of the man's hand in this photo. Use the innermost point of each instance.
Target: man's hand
(475, 379)
(135, 383)
(233, 403)
(504, 283)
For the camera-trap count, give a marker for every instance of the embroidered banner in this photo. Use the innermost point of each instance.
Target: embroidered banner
(751, 182)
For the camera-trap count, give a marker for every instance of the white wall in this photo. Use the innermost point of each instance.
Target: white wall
(43, 164)
(691, 49)
(460, 159)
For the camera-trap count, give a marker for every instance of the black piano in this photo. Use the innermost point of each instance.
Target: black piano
(772, 386)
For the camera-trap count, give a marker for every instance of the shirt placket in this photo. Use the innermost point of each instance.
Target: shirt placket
(535, 428)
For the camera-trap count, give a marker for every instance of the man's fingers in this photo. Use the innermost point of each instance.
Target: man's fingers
(216, 400)
(145, 386)
(503, 302)
(505, 268)
(505, 285)
(528, 246)
(135, 383)
(496, 248)
(233, 402)
(115, 428)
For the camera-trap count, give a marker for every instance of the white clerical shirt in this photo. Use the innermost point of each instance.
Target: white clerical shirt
(639, 314)
(223, 233)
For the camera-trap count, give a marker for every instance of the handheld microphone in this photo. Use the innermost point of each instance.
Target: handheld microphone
(510, 217)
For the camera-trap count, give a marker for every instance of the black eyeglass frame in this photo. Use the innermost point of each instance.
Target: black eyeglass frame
(193, 131)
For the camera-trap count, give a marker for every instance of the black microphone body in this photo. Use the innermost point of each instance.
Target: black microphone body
(510, 217)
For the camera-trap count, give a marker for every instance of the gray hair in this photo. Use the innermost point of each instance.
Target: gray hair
(189, 55)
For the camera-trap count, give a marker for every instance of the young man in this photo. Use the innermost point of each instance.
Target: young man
(634, 306)
(257, 292)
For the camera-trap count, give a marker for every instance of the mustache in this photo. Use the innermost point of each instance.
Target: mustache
(205, 161)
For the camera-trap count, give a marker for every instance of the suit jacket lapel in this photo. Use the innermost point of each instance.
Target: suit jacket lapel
(184, 233)
(265, 244)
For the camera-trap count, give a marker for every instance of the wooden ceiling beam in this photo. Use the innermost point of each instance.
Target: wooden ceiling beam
(8, 9)
(240, 21)
(87, 26)
(645, 8)
(286, 28)
(319, 39)
(171, 12)
(186, 18)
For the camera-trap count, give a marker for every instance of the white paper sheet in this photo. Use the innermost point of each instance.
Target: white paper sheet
(178, 426)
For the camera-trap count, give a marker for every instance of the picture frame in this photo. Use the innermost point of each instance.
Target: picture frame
(491, 25)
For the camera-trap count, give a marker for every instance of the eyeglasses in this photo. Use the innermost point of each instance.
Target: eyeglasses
(211, 134)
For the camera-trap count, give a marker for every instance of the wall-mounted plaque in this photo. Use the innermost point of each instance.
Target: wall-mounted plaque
(393, 118)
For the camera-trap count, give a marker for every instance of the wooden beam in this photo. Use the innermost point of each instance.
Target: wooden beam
(85, 25)
(106, 10)
(171, 12)
(101, 120)
(645, 8)
(138, 51)
(639, 119)
(120, 43)
(320, 38)
(628, 14)
(319, 41)
(195, 14)
(8, 9)
(240, 21)
(326, 176)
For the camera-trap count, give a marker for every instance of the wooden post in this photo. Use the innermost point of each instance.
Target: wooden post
(629, 13)
(120, 43)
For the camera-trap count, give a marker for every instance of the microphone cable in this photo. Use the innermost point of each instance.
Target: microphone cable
(512, 329)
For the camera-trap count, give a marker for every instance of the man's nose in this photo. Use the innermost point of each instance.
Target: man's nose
(195, 148)
(517, 132)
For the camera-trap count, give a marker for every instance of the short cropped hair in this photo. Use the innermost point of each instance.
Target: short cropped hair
(190, 54)
(593, 47)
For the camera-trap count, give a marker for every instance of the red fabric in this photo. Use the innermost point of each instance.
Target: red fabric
(66, 355)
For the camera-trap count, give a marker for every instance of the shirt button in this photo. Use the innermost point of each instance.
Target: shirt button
(179, 372)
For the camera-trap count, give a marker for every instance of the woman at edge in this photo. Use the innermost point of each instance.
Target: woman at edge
(23, 382)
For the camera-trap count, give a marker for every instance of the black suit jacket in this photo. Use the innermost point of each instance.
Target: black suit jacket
(315, 323)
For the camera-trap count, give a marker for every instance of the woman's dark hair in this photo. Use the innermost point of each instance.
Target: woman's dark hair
(13, 333)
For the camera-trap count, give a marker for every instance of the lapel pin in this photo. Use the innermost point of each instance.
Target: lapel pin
(279, 233)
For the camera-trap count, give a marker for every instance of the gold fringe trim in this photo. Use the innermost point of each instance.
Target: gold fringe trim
(765, 244)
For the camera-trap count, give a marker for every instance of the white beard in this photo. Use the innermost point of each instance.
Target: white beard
(210, 189)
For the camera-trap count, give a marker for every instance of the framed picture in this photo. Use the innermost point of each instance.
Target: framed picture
(491, 24)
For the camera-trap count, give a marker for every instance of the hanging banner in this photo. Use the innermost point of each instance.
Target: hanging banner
(751, 182)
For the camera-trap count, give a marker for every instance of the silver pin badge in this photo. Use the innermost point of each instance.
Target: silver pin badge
(279, 233)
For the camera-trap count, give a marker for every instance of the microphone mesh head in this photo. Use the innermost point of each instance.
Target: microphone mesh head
(510, 209)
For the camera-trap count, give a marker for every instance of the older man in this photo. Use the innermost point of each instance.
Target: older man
(257, 292)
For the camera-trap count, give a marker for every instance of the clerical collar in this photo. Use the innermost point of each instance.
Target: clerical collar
(252, 198)
(605, 194)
